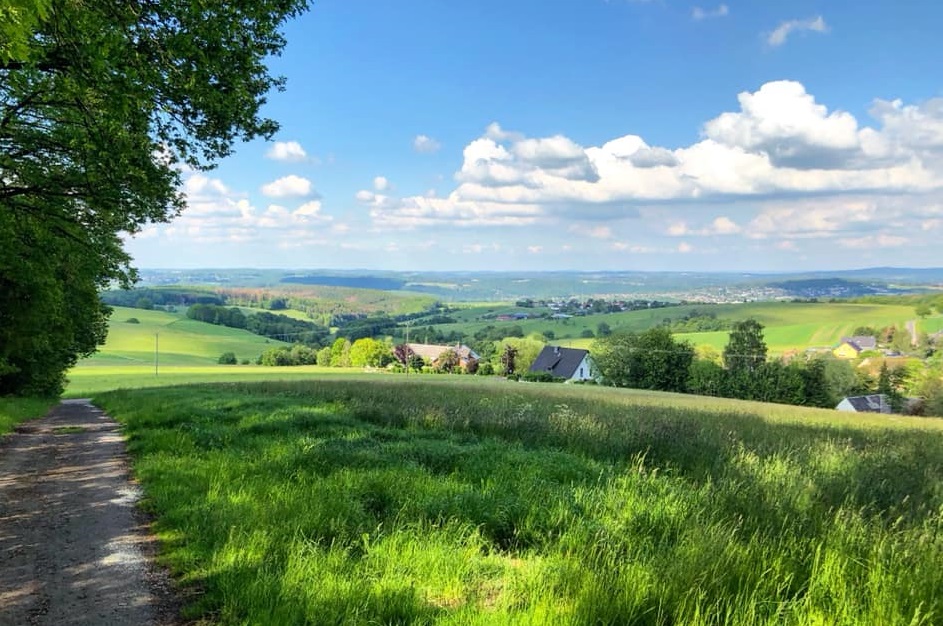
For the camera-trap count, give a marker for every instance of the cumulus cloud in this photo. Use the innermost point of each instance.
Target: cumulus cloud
(380, 183)
(425, 144)
(782, 32)
(698, 14)
(287, 186)
(290, 151)
(805, 171)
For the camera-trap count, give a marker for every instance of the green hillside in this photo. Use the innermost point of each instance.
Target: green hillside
(180, 341)
(788, 324)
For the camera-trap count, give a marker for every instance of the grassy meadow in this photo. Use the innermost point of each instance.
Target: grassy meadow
(451, 500)
(16, 410)
(788, 324)
(181, 342)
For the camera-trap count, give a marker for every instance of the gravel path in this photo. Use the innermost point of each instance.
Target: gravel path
(74, 549)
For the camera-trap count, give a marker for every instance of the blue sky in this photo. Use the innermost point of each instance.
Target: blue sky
(587, 135)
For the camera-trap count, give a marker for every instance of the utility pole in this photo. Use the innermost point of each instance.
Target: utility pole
(156, 352)
(406, 351)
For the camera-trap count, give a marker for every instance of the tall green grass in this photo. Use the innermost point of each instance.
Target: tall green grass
(335, 502)
(13, 411)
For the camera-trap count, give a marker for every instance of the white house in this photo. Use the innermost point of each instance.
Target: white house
(567, 363)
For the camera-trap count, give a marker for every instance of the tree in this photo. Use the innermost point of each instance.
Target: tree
(228, 358)
(102, 104)
(746, 349)
(340, 353)
(706, 378)
(368, 352)
(923, 310)
(509, 360)
(603, 330)
(889, 383)
(447, 361)
(649, 360)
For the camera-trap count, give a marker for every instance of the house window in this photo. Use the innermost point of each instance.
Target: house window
(581, 372)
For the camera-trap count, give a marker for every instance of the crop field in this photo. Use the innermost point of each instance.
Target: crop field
(459, 501)
(181, 341)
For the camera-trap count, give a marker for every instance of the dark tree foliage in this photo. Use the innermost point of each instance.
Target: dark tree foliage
(401, 353)
(272, 325)
(648, 360)
(509, 360)
(746, 348)
(101, 102)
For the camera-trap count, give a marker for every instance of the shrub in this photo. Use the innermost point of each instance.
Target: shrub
(132, 320)
(541, 377)
(228, 358)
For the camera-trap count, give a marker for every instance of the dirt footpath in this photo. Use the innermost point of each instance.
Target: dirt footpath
(73, 547)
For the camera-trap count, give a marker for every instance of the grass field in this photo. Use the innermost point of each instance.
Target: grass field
(462, 501)
(788, 324)
(16, 410)
(181, 341)
(87, 381)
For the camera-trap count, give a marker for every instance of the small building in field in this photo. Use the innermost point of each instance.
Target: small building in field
(852, 347)
(874, 403)
(567, 363)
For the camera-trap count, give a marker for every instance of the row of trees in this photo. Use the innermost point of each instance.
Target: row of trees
(273, 325)
(655, 360)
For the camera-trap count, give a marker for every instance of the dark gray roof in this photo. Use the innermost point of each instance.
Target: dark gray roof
(861, 342)
(561, 362)
(874, 403)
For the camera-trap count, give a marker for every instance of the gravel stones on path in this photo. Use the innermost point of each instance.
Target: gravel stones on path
(74, 549)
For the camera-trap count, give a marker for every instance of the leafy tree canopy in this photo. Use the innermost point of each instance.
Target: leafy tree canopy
(746, 349)
(102, 104)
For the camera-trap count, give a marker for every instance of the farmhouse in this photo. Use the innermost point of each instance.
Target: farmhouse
(874, 403)
(851, 347)
(430, 353)
(567, 363)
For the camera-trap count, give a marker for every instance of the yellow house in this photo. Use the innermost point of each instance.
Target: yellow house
(846, 350)
(852, 347)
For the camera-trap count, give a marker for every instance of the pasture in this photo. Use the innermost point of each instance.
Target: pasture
(451, 500)
(179, 341)
(788, 324)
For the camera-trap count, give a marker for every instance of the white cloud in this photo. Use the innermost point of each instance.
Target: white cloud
(787, 165)
(702, 14)
(290, 151)
(535, 249)
(200, 185)
(596, 232)
(722, 225)
(287, 186)
(380, 183)
(782, 32)
(684, 247)
(425, 144)
(881, 240)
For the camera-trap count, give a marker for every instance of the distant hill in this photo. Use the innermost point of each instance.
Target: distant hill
(831, 288)
(355, 282)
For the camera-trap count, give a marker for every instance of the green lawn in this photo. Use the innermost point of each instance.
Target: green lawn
(178, 340)
(460, 501)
